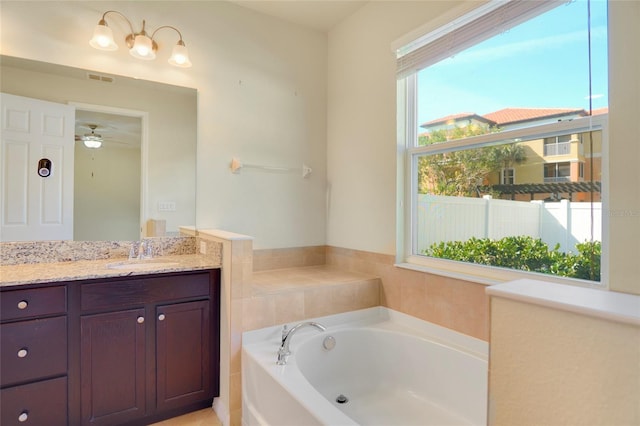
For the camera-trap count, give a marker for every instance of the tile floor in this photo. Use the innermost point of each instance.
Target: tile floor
(205, 417)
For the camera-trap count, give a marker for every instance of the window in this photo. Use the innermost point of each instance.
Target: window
(557, 172)
(482, 106)
(557, 145)
(508, 176)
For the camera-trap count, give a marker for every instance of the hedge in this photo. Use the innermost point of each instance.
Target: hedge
(524, 253)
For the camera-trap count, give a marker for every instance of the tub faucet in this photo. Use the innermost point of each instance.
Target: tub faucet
(287, 335)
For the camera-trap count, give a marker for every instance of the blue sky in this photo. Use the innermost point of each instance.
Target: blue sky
(542, 63)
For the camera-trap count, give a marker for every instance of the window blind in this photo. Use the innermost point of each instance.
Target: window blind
(470, 29)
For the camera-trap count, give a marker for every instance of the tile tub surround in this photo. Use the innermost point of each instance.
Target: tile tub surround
(459, 305)
(453, 303)
(292, 295)
(15, 253)
(295, 294)
(267, 259)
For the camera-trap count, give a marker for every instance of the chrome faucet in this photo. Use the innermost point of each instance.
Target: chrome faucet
(144, 250)
(287, 335)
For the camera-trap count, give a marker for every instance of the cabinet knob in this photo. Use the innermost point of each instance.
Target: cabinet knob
(140, 320)
(23, 304)
(161, 317)
(22, 353)
(23, 417)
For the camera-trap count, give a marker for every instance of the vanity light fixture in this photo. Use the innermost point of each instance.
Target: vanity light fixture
(140, 45)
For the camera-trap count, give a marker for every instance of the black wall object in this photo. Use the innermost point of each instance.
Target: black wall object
(44, 167)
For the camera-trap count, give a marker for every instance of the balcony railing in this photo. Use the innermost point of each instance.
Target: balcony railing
(557, 179)
(562, 148)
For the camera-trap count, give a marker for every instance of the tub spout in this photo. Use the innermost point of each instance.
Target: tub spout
(287, 335)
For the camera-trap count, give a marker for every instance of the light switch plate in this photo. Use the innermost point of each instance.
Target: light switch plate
(166, 206)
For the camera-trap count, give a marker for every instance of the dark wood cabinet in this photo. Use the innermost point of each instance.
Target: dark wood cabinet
(183, 355)
(119, 351)
(33, 356)
(112, 367)
(148, 346)
(41, 403)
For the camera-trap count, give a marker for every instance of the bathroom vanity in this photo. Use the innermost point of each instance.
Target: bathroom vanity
(109, 350)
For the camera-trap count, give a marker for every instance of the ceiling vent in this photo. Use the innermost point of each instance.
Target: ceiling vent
(99, 77)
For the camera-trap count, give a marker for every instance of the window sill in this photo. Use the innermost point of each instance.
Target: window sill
(449, 274)
(485, 275)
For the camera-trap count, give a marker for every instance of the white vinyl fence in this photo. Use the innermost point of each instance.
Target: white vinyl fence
(443, 218)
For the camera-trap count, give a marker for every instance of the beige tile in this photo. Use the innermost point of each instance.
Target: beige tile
(413, 295)
(204, 417)
(235, 349)
(294, 257)
(258, 312)
(289, 307)
(235, 418)
(317, 302)
(354, 295)
(247, 278)
(235, 391)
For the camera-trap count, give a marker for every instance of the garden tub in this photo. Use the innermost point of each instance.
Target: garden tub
(379, 367)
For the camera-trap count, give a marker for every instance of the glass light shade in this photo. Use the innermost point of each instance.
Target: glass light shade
(103, 38)
(142, 48)
(180, 56)
(92, 143)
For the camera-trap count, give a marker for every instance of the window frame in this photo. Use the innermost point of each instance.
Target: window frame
(489, 275)
(509, 173)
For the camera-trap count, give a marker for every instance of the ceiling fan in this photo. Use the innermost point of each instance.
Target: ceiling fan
(91, 140)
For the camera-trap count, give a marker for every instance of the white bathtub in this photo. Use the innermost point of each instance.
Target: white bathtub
(394, 369)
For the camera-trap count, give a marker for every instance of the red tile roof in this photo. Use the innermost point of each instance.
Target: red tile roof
(514, 115)
(600, 111)
(455, 117)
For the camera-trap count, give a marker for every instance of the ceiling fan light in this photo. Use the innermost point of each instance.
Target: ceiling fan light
(103, 37)
(180, 56)
(92, 143)
(142, 48)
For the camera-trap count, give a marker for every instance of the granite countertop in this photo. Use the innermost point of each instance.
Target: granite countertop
(33, 273)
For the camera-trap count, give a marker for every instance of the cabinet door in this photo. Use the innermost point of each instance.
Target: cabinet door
(112, 367)
(183, 333)
(41, 403)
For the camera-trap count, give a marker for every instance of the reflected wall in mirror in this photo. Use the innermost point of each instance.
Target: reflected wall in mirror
(153, 179)
(116, 163)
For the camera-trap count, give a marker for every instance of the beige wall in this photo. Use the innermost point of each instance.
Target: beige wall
(99, 212)
(624, 149)
(584, 372)
(361, 132)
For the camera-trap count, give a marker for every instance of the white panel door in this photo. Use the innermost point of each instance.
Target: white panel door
(34, 207)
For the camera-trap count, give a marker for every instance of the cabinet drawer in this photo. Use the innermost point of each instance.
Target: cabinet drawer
(137, 292)
(18, 304)
(42, 403)
(33, 349)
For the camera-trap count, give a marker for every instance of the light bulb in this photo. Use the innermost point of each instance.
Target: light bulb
(103, 38)
(180, 56)
(92, 143)
(142, 48)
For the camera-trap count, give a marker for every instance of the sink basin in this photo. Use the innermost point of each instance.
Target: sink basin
(138, 265)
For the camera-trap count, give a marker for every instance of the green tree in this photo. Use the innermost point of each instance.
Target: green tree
(460, 173)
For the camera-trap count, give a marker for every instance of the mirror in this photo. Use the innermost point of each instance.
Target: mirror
(142, 180)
